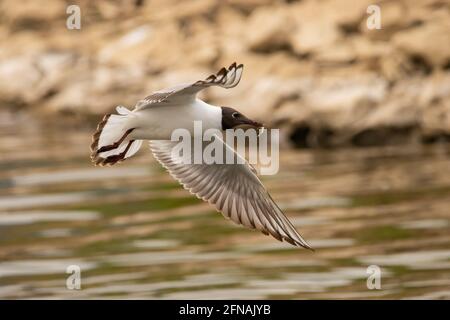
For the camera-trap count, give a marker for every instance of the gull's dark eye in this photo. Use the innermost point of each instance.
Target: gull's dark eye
(235, 115)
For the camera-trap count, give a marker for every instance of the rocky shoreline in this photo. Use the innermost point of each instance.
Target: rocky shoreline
(311, 67)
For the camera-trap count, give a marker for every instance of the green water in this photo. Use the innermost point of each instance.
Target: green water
(136, 234)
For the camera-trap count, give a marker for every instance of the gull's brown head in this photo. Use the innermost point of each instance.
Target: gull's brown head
(233, 119)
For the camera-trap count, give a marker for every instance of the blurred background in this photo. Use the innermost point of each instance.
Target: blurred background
(364, 169)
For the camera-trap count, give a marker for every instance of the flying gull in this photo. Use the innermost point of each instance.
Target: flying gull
(234, 189)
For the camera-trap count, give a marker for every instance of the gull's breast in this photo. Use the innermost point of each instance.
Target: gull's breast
(159, 122)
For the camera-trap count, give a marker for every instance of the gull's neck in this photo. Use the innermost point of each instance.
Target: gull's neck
(210, 115)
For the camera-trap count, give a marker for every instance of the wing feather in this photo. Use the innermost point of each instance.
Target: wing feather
(234, 190)
(225, 78)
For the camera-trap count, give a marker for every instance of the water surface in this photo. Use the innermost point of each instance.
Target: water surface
(135, 233)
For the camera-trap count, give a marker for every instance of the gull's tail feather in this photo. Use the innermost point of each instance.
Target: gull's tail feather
(110, 142)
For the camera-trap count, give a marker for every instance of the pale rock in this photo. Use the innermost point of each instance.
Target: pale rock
(129, 43)
(316, 27)
(31, 10)
(269, 28)
(203, 47)
(337, 93)
(39, 75)
(23, 68)
(250, 4)
(90, 91)
(347, 13)
(427, 42)
(163, 11)
(230, 24)
(337, 53)
(435, 119)
(308, 64)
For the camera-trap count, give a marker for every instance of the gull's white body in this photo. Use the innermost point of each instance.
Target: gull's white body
(158, 123)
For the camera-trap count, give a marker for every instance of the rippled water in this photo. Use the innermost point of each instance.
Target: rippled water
(136, 234)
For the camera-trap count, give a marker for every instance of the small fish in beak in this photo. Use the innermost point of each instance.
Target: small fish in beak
(261, 130)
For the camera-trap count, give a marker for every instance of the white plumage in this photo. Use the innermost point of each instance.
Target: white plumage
(234, 190)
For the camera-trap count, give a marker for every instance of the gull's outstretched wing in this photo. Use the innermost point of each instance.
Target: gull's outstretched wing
(234, 189)
(225, 78)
